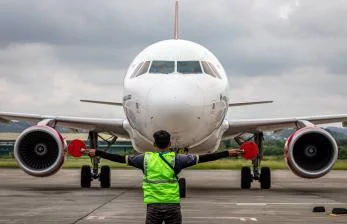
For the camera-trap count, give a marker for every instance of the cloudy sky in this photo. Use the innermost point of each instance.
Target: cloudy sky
(53, 53)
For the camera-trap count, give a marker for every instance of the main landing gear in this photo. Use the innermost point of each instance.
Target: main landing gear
(182, 187)
(182, 181)
(89, 173)
(263, 175)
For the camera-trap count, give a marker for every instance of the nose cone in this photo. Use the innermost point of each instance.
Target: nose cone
(177, 108)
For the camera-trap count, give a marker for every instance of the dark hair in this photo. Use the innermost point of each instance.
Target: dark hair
(161, 139)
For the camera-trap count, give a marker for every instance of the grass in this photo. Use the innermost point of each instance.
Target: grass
(228, 164)
(70, 163)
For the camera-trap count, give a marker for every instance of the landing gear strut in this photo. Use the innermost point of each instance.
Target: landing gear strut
(263, 175)
(88, 174)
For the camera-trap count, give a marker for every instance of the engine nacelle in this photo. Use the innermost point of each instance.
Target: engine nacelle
(311, 152)
(39, 151)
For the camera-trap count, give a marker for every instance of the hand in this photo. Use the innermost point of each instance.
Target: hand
(90, 152)
(235, 152)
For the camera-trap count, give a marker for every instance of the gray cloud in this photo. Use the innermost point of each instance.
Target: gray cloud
(52, 53)
(79, 22)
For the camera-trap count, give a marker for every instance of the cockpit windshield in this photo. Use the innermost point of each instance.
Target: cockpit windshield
(188, 67)
(180, 67)
(164, 67)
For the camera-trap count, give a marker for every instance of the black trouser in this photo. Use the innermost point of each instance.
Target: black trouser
(159, 213)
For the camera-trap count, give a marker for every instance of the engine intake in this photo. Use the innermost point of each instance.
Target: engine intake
(311, 152)
(39, 151)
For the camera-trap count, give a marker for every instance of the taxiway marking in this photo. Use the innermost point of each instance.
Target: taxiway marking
(287, 203)
(92, 217)
(243, 219)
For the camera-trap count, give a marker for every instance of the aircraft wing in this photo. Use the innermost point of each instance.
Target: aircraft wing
(93, 124)
(243, 126)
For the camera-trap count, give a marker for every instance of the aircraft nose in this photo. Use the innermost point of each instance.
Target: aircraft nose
(175, 108)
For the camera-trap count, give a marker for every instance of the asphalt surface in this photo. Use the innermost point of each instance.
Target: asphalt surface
(212, 197)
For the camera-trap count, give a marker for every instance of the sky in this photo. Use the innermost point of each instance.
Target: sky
(54, 53)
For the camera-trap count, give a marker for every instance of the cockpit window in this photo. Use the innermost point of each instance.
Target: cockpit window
(188, 67)
(210, 69)
(215, 71)
(164, 67)
(143, 69)
(207, 68)
(136, 70)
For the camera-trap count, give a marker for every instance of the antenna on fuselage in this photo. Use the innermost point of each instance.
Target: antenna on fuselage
(176, 25)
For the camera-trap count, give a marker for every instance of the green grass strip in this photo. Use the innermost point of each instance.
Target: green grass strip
(227, 164)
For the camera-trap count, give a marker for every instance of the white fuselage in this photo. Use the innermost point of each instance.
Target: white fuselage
(191, 106)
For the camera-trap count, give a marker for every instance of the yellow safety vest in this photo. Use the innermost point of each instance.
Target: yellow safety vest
(160, 184)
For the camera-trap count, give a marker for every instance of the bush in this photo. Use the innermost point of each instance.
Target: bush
(342, 153)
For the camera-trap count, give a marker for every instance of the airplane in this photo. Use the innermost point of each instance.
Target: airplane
(179, 86)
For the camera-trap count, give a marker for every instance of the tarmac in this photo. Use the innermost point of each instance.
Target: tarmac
(213, 196)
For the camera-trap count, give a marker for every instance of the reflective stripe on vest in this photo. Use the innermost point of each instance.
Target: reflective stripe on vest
(159, 182)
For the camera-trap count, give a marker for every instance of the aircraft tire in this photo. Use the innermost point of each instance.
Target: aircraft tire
(246, 178)
(86, 176)
(265, 178)
(105, 177)
(182, 187)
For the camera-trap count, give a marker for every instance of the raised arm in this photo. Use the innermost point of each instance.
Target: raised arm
(218, 155)
(113, 157)
(135, 161)
(184, 161)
